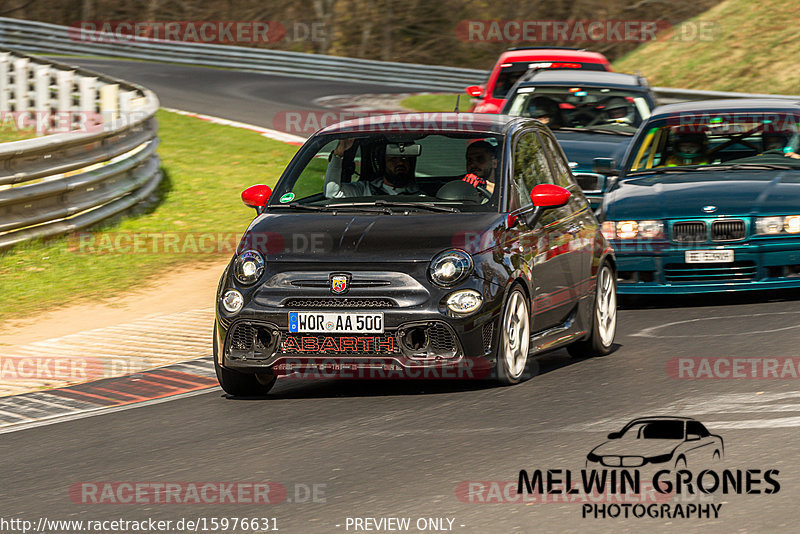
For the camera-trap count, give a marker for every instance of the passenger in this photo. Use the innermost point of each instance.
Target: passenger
(481, 165)
(778, 142)
(396, 177)
(617, 110)
(546, 110)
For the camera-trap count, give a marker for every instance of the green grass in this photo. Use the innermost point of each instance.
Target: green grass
(436, 102)
(206, 167)
(747, 47)
(8, 134)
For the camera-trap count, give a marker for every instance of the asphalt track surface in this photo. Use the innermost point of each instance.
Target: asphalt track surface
(404, 449)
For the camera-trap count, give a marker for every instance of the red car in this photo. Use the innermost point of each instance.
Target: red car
(515, 62)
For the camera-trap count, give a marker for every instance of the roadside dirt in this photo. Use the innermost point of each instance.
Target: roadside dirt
(184, 289)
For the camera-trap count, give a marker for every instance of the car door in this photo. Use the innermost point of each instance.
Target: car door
(543, 243)
(578, 220)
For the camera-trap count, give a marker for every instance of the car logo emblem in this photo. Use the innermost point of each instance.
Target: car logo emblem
(339, 283)
(709, 209)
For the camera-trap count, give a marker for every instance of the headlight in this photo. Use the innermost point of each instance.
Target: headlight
(249, 267)
(232, 301)
(592, 457)
(449, 268)
(776, 225)
(633, 229)
(464, 301)
(660, 459)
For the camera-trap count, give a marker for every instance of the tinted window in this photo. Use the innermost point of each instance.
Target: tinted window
(512, 72)
(561, 172)
(663, 430)
(694, 427)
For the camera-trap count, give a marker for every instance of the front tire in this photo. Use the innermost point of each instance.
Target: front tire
(604, 318)
(512, 352)
(242, 384)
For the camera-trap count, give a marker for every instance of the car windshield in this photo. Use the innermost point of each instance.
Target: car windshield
(745, 140)
(656, 430)
(589, 108)
(409, 171)
(511, 72)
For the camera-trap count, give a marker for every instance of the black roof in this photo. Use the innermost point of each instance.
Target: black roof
(450, 122)
(583, 77)
(728, 105)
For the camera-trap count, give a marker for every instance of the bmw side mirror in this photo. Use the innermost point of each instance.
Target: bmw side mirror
(614, 435)
(256, 197)
(605, 166)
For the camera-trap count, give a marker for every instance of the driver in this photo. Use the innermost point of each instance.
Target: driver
(398, 176)
(618, 111)
(689, 148)
(546, 110)
(481, 165)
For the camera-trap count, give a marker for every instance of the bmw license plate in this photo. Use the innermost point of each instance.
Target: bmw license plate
(709, 256)
(335, 323)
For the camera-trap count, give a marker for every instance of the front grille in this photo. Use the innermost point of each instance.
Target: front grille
(710, 272)
(441, 339)
(345, 302)
(732, 230)
(689, 232)
(242, 337)
(488, 330)
(338, 345)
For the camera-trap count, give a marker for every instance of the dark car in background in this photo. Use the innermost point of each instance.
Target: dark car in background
(515, 62)
(373, 251)
(708, 199)
(592, 114)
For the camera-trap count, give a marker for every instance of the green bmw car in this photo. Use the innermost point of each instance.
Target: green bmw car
(707, 199)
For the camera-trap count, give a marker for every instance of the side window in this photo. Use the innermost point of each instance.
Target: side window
(561, 172)
(530, 168)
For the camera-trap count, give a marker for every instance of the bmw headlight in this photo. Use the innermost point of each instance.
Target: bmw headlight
(633, 229)
(449, 268)
(789, 224)
(249, 267)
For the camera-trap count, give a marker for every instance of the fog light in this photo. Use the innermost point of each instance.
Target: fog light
(464, 301)
(232, 301)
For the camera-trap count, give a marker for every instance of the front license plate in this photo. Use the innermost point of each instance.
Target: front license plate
(337, 323)
(709, 256)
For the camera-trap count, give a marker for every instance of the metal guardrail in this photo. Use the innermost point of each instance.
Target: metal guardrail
(66, 181)
(39, 37)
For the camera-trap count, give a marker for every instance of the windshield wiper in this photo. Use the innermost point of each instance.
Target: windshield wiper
(334, 207)
(663, 170)
(757, 166)
(609, 131)
(424, 205)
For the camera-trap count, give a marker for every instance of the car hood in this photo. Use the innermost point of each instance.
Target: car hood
(738, 193)
(582, 148)
(366, 238)
(637, 447)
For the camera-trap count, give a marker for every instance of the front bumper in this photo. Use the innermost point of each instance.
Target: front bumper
(660, 267)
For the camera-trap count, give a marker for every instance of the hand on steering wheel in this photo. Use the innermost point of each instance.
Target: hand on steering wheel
(478, 183)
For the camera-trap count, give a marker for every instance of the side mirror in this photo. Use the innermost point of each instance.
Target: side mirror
(256, 197)
(692, 437)
(475, 90)
(545, 196)
(549, 196)
(614, 435)
(607, 166)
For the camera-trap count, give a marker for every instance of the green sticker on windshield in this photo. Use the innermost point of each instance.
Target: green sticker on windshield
(288, 197)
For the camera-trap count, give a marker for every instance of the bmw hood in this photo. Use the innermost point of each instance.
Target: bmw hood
(581, 148)
(637, 447)
(322, 237)
(673, 196)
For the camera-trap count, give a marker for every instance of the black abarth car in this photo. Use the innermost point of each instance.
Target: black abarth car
(451, 245)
